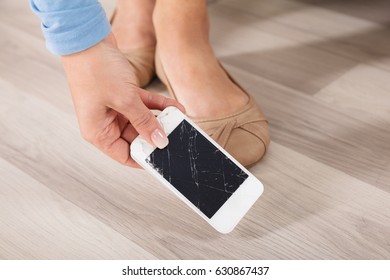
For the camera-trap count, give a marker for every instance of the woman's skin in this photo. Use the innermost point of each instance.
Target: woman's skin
(133, 25)
(112, 111)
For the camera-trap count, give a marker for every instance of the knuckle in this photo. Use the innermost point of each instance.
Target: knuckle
(130, 163)
(100, 138)
(87, 135)
(164, 102)
(125, 101)
(105, 137)
(123, 160)
(143, 120)
(149, 97)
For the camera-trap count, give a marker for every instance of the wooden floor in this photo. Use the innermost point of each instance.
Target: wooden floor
(321, 72)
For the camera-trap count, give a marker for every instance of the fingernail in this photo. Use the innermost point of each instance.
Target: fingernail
(159, 138)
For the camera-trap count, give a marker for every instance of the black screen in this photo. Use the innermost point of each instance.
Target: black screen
(197, 169)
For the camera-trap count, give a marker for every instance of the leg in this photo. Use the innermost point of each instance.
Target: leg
(133, 26)
(202, 86)
(198, 80)
(133, 29)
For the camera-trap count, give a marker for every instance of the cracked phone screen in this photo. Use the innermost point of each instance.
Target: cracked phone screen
(197, 169)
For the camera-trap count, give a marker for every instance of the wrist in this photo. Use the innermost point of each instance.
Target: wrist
(108, 41)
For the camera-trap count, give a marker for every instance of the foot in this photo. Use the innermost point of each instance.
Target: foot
(200, 83)
(132, 24)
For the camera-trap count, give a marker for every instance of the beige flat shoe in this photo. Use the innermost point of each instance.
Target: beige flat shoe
(142, 61)
(244, 134)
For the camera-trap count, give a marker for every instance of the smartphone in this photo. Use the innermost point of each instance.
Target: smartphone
(199, 171)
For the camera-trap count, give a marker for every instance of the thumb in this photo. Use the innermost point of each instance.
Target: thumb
(144, 122)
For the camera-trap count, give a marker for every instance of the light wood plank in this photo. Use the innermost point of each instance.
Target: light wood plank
(336, 33)
(20, 16)
(29, 67)
(39, 224)
(312, 205)
(284, 61)
(362, 93)
(373, 10)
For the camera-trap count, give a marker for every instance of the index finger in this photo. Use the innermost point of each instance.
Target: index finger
(157, 101)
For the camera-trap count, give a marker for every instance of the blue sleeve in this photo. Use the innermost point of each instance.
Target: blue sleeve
(70, 26)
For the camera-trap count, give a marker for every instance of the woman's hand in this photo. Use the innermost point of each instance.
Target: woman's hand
(111, 109)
